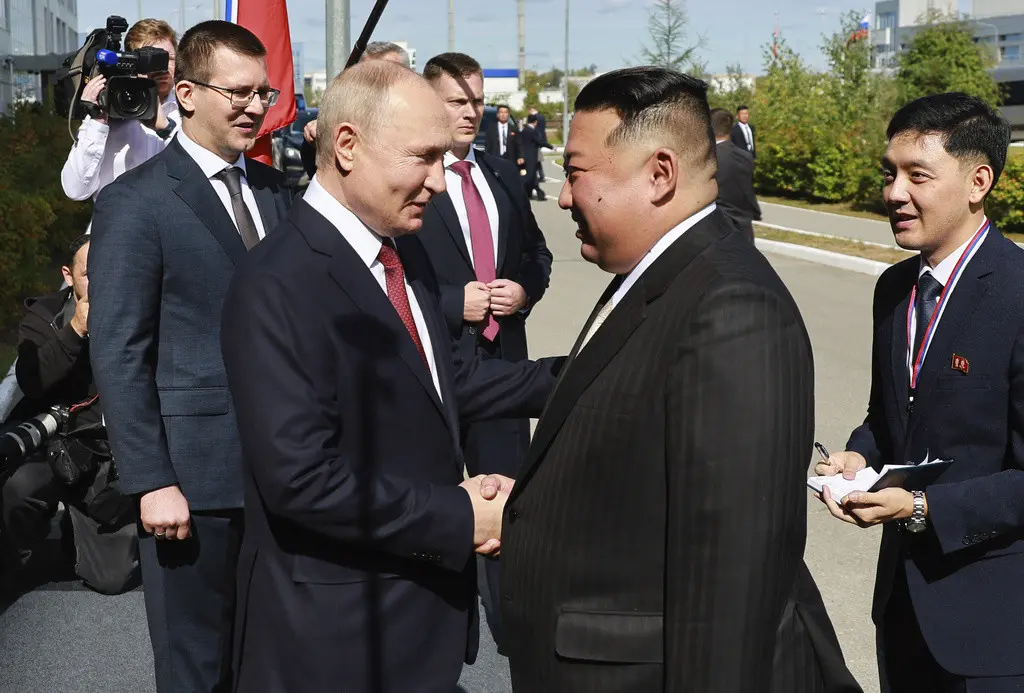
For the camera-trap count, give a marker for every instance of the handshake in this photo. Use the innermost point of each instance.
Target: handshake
(488, 494)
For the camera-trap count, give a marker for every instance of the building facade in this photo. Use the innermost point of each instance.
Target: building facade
(32, 27)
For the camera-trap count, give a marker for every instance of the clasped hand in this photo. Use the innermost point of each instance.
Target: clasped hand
(500, 298)
(860, 507)
(488, 494)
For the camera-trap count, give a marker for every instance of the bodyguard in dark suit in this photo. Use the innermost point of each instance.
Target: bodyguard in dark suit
(531, 141)
(735, 177)
(503, 138)
(743, 132)
(492, 264)
(542, 130)
(356, 572)
(166, 239)
(634, 559)
(946, 604)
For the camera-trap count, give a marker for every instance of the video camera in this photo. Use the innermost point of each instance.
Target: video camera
(126, 96)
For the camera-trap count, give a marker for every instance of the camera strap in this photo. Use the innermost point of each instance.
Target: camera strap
(76, 71)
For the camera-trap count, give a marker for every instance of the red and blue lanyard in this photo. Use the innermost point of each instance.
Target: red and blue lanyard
(929, 333)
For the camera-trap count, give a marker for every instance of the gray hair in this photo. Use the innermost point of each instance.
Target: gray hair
(361, 95)
(377, 49)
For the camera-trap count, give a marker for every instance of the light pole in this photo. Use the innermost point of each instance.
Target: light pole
(522, 42)
(565, 81)
(140, 9)
(451, 26)
(339, 19)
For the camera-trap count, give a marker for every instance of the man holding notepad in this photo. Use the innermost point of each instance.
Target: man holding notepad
(947, 384)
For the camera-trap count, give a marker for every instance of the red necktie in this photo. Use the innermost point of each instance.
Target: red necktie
(394, 276)
(479, 235)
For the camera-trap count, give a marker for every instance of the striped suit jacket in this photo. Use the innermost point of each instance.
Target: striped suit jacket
(655, 538)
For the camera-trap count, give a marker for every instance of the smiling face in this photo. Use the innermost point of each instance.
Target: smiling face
(930, 195)
(214, 123)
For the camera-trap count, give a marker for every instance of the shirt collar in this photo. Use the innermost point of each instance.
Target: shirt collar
(658, 248)
(450, 158)
(361, 237)
(170, 105)
(944, 270)
(210, 163)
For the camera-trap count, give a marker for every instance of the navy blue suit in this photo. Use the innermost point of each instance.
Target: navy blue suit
(963, 574)
(163, 251)
(356, 571)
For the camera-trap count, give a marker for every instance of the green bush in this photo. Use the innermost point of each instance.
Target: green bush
(37, 221)
(1005, 204)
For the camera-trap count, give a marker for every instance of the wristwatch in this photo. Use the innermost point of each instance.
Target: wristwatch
(917, 522)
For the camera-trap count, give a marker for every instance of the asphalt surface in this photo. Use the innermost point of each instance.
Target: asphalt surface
(856, 228)
(59, 638)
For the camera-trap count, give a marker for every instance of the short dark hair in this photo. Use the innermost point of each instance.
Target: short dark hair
(969, 127)
(721, 122)
(452, 64)
(501, 106)
(531, 118)
(648, 98)
(194, 60)
(77, 245)
(742, 107)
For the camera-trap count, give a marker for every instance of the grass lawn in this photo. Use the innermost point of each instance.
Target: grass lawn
(835, 245)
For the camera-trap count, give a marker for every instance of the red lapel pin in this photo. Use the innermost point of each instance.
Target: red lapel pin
(961, 364)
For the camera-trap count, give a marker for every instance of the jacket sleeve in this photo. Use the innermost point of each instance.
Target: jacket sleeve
(125, 283)
(80, 175)
(289, 433)
(985, 507)
(496, 389)
(45, 356)
(739, 404)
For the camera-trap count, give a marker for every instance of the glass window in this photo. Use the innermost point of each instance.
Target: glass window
(886, 20)
(1010, 52)
(1011, 37)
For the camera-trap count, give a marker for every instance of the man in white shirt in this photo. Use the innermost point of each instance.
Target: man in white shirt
(743, 132)
(107, 148)
(502, 139)
(166, 240)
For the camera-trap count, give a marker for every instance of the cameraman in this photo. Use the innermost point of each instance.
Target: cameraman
(105, 150)
(53, 369)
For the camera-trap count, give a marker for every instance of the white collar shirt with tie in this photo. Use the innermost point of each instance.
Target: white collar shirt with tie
(502, 138)
(367, 245)
(749, 135)
(211, 165)
(454, 183)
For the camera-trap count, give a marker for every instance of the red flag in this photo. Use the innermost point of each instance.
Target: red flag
(268, 19)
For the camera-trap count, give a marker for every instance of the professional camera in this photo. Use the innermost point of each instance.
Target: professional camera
(24, 439)
(126, 96)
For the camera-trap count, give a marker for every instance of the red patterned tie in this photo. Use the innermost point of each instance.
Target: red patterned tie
(394, 276)
(479, 235)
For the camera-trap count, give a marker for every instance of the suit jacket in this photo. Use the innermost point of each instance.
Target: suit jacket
(492, 147)
(523, 255)
(355, 568)
(964, 570)
(740, 140)
(542, 128)
(634, 558)
(163, 251)
(736, 196)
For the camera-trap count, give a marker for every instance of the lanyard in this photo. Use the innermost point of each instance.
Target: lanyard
(929, 332)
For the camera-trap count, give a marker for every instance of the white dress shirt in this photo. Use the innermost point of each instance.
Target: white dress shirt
(211, 164)
(749, 135)
(454, 183)
(105, 151)
(942, 273)
(502, 137)
(367, 245)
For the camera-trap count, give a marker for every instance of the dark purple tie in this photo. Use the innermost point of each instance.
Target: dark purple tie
(479, 235)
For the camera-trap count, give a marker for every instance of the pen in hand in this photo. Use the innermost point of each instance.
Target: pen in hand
(822, 451)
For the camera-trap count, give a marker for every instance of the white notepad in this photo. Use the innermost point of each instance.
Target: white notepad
(912, 477)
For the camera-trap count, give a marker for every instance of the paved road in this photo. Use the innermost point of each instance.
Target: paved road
(831, 224)
(60, 640)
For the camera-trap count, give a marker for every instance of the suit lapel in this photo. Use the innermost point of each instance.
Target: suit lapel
(967, 295)
(499, 189)
(585, 365)
(894, 333)
(196, 191)
(446, 210)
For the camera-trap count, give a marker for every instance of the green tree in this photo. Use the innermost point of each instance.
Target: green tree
(943, 57)
(666, 24)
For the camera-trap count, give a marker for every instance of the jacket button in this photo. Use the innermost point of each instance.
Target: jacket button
(967, 541)
(513, 515)
(472, 330)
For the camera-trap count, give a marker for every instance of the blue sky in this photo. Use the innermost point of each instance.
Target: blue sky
(608, 33)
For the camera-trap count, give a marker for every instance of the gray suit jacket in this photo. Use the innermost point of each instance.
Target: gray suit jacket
(164, 250)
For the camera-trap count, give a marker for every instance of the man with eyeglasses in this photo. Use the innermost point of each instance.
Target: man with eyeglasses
(166, 239)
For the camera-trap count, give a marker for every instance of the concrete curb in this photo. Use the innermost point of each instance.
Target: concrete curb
(790, 229)
(822, 257)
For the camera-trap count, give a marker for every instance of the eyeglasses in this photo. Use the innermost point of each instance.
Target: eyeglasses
(241, 98)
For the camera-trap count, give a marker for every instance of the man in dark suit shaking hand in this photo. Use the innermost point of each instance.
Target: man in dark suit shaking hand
(166, 238)
(948, 383)
(654, 539)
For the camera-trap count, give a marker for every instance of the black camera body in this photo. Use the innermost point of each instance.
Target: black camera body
(126, 95)
(26, 438)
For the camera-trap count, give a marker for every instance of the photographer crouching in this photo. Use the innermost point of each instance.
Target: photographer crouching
(71, 462)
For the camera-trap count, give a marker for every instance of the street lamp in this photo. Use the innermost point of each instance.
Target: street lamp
(565, 81)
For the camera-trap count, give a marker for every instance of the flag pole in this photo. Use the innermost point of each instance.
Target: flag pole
(364, 37)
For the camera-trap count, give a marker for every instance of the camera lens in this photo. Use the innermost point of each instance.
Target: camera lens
(131, 102)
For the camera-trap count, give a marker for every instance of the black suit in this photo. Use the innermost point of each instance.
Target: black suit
(356, 570)
(736, 196)
(163, 251)
(493, 147)
(490, 446)
(634, 557)
(542, 131)
(963, 573)
(531, 141)
(739, 138)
